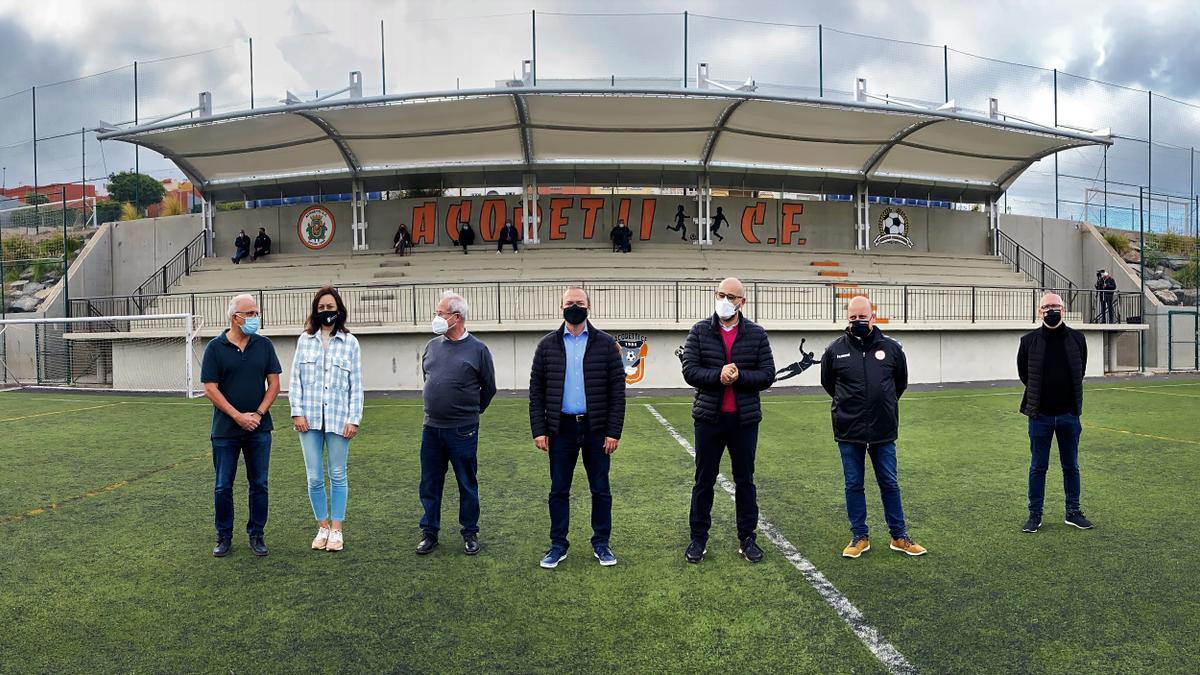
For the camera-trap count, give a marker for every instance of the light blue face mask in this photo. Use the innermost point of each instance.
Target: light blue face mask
(250, 325)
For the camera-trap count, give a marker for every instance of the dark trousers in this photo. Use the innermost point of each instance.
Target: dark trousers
(1042, 430)
(575, 438)
(256, 447)
(500, 245)
(883, 461)
(1108, 313)
(457, 447)
(711, 440)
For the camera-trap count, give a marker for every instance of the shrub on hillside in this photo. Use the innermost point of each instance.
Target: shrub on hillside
(1118, 242)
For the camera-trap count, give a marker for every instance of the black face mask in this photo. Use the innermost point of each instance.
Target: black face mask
(327, 318)
(860, 328)
(1053, 318)
(575, 315)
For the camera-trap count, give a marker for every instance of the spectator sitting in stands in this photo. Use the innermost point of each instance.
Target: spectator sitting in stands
(262, 244)
(402, 241)
(241, 247)
(466, 235)
(508, 235)
(621, 237)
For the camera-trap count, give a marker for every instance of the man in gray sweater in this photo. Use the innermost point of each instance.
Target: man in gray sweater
(460, 382)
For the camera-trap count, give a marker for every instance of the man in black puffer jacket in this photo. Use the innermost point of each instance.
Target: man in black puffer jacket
(727, 358)
(1051, 362)
(866, 373)
(577, 405)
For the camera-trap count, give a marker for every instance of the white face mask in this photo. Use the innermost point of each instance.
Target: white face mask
(440, 325)
(725, 308)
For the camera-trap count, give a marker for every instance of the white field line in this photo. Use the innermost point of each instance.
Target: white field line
(888, 655)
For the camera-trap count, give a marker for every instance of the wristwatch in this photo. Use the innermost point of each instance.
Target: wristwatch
(260, 413)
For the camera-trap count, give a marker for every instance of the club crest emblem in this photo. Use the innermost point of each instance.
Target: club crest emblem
(315, 227)
(633, 356)
(893, 227)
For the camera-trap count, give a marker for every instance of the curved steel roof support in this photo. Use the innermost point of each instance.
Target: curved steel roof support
(184, 165)
(710, 143)
(877, 157)
(323, 125)
(1008, 177)
(523, 128)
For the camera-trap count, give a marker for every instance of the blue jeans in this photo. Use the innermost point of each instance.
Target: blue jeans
(457, 447)
(316, 445)
(256, 447)
(883, 461)
(1042, 430)
(572, 439)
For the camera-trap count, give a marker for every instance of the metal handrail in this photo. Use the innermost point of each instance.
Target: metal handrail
(1014, 254)
(179, 266)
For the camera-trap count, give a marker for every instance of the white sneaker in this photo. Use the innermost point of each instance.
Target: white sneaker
(321, 539)
(335, 541)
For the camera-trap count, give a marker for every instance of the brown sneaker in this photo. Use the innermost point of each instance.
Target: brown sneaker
(856, 547)
(322, 538)
(906, 545)
(335, 541)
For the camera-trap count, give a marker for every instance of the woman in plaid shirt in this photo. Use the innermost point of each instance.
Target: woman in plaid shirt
(326, 398)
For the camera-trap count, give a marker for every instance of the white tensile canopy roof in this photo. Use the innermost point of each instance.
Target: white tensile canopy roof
(607, 137)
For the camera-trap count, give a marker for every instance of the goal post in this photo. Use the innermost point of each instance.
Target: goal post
(136, 353)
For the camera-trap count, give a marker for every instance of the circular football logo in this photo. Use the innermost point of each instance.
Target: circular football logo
(315, 227)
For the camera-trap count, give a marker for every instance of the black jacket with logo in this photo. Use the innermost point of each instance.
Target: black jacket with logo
(704, 356)
(603, 383)
(866, 379)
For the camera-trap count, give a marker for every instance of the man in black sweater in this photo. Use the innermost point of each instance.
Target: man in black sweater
(727, 358)
(577, 405)
(1051, 362)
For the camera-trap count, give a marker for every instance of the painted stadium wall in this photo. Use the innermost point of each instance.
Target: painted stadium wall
(391, 360)
(575, 220)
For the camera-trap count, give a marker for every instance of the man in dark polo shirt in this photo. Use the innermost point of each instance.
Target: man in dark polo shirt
(241, 377)
(1051, 362)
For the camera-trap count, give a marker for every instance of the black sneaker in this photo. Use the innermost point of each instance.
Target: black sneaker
(428, 543)
(1077, 519)
(471, 544)
(222, 548)
(257, 546)
(750, 550)
(695, 551)
(1034, 522)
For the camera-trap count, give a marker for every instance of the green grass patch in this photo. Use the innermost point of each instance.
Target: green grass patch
(122, 580)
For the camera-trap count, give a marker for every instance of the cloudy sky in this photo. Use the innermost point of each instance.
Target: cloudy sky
(307, 46)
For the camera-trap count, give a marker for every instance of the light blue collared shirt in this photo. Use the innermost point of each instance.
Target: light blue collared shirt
(574, 399)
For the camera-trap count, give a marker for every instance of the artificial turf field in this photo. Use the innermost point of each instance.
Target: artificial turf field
(106, 519)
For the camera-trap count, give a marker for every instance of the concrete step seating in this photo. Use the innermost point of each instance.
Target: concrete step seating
(643, 284)
(557, 264)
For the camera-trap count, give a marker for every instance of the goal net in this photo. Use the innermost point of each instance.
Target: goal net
(153, 353)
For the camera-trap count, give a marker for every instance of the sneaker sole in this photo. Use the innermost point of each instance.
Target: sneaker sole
(856, 555)
(426, 551)
(604, 564)
(221, 555)
(1034, 530)
(475, 552)
(550, 566)
(748, 558)
(698, 560)
(897, 548)
(1078, 526)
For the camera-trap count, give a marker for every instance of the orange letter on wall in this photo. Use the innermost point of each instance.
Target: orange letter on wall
(648, 206)
(789, 226)
(456, 214)
(623, 211)
(557, 219)
(491, 217)
(590, 206)
(424, 222)
(751, 216)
